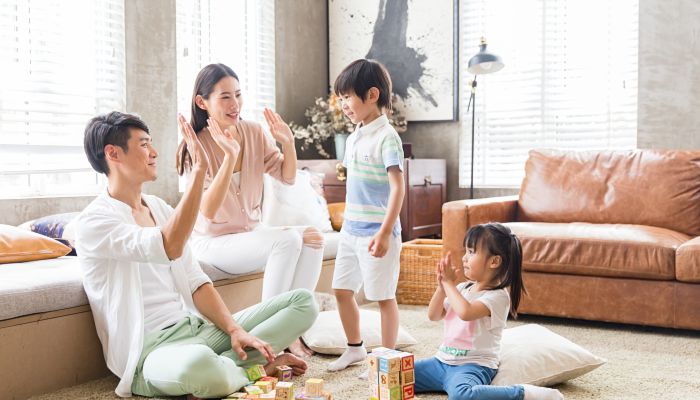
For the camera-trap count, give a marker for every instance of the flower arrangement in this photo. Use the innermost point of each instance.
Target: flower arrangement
(327, 119)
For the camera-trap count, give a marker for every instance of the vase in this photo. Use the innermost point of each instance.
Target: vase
(340, 139)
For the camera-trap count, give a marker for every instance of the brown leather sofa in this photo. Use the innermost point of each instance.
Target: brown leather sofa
(608, 236)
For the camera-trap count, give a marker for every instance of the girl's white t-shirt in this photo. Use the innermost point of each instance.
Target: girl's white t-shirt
(477, 341)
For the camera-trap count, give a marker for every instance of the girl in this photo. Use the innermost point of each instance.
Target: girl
(228, 234)
(475, 314)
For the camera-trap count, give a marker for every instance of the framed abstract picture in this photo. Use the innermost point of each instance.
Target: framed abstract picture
(415, 40)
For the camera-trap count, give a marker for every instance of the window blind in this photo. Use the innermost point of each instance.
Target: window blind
(62, 63)
(569, 82)
(238, 33)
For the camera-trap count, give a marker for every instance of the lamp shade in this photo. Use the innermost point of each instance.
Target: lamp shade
(484, 62)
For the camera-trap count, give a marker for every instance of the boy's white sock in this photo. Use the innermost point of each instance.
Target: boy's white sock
(541, 393)
(352, 355)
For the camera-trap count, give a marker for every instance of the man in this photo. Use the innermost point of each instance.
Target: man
(149, 296)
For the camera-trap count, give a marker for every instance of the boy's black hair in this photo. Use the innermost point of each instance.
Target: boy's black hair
(498, 240)
(113, 128)
(362, 75)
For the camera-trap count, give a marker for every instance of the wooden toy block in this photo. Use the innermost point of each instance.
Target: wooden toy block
(389, 379)
(386, 393)
(390, 362)
(255, 372)
(252, 389)
(374, 391)
(406, 361)
(408, 377)
(381, 349)
(284, 391)
(237, 395)
(270, 395)
(313, 387)
(265, 386)
(284, 373)
(408, 392)
(271, 379)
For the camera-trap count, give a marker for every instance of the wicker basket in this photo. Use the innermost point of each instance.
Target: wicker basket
(417, 280)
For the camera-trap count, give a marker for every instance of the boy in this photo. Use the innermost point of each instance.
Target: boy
(368, 252)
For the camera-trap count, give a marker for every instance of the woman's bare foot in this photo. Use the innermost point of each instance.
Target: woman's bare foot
(297, 365)
(299, 349)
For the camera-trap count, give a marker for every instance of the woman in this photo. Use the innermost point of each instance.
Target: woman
(228, 234)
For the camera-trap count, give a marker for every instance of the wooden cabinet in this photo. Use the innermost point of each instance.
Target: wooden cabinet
(426, 191)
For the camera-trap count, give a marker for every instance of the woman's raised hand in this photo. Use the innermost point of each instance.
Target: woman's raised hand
(200, 162)
(278, 128)
(224, 139)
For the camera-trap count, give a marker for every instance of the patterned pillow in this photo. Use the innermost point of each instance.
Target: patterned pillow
(57, 227)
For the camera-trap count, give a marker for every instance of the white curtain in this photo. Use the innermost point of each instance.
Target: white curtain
(238, 33)
(569, 82)
(62, 63)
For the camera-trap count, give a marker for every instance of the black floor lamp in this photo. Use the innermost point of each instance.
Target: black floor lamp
(481, 63)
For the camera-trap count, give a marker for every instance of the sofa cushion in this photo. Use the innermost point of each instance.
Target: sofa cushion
(688, 261)
(629, 251)
(56, 284)
(40, 286)
(640, 187)
(20, 245)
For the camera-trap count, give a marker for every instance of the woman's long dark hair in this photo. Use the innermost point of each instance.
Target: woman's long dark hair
(499, 240)
(207, 78)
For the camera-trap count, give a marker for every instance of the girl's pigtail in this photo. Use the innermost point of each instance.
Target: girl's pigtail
(517, 289)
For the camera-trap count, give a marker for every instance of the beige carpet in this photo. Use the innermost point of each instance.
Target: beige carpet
(643, 363)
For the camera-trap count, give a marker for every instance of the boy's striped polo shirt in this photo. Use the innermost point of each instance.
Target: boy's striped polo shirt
(369, 152)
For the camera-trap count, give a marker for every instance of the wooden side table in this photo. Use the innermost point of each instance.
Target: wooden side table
(426, 191)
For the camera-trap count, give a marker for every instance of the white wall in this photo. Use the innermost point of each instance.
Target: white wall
(669, 87)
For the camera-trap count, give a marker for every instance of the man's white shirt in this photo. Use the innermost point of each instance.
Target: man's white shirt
(112, 250)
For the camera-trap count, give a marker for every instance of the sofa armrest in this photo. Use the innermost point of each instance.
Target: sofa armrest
(458, 216)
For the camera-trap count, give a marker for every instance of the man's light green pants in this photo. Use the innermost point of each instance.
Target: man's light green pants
(195, 357)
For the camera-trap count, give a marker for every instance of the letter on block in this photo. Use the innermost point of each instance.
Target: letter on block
(406, 361)
(408, 392)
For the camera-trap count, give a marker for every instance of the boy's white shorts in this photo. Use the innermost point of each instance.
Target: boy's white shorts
(354, 266)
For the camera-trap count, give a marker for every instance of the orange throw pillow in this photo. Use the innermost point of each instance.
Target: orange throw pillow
(337, 211)
(19, 245)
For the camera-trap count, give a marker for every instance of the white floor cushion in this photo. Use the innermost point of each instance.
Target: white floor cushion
(533, 354)
(326, 335)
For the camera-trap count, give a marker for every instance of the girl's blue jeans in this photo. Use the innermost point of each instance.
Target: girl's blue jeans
(462, 382)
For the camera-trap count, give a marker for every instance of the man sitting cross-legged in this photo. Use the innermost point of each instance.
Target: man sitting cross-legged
(148, 295)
